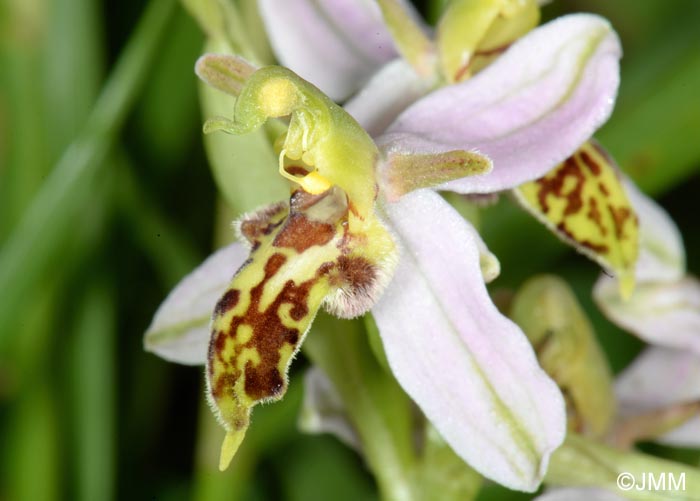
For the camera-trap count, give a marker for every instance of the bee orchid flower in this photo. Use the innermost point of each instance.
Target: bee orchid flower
(365, 229)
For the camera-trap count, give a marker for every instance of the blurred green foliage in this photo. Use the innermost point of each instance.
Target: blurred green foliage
(106, 200)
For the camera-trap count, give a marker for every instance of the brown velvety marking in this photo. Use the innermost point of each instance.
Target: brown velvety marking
(216, 348)
(325, 268)
(603, 189)
(301, 200)
(228, 300)
(555, 185)
(272, 266)
(224, 382)
(594, 215)
(300, 233)
(356, 272)
(619, 217)
(260, 224)
(220, 341)
(590, 163)
(269, 334)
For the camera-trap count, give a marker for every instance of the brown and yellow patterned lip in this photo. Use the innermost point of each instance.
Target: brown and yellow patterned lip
(269, 335)
(304, 254)
(258, 323)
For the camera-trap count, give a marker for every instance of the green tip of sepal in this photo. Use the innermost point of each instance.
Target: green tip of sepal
(232, 441)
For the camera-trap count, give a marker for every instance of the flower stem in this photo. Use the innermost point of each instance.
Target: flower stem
(377, 407)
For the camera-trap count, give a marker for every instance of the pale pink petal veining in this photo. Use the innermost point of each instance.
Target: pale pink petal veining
(470, 369)
(528, 111)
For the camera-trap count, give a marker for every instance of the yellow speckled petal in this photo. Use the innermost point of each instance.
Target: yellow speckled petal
(583, 201)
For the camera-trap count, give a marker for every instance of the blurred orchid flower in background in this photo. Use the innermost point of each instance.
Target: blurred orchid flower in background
(470, 370)
(659, 398)
(659, 393)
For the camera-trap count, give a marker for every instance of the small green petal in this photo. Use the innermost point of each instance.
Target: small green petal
(403, 173)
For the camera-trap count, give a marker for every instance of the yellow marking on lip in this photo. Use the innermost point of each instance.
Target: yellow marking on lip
(247, 355)
(296, 262)
(286, 352)
(244, 334)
